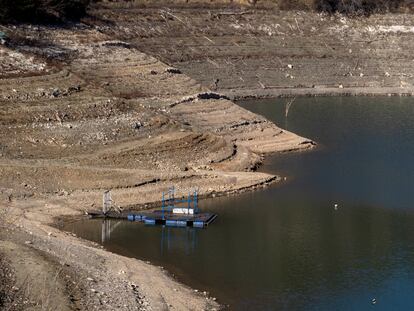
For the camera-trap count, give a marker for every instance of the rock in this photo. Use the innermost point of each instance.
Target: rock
(28, 242)
(116, 43)
(55, 92)
(211, 95)
(137, 125)
(290, 66)
(76, 88)
(3, 37)
(173, 70)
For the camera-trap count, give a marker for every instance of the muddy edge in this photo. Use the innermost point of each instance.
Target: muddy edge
(137, 98)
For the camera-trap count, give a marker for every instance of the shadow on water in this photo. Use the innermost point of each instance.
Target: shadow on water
(288, 247)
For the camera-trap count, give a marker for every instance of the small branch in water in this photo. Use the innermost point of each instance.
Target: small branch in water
(288, 104)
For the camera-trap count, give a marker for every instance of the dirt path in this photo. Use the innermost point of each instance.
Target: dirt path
(37, 278)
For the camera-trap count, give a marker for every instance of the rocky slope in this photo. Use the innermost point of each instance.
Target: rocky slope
(262, 51)
(82, 111)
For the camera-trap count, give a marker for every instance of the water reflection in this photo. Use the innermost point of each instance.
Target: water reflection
(287, 248)
(108, 226)
(184, 239)
(180, 239)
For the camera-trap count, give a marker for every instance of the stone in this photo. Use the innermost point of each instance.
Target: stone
(173, 70)
(55, 92)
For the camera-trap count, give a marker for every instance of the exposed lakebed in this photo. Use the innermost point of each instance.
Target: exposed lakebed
(288, 247)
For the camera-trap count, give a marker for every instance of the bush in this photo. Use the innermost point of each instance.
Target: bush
(41, 10)
(295, 4)
(348, 7)
(357, 7)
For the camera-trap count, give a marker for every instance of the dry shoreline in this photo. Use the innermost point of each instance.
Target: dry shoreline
(312, 92)
(68, 135)
(134, 104)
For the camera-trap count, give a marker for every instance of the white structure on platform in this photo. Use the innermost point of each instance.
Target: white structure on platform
(183, 210)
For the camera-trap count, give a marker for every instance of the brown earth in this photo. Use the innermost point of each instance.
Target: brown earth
(134, 100)
(261, 51)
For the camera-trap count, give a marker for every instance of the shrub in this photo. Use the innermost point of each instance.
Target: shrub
(41, 10)
(348, 7)
(295, 4)
(357, 7)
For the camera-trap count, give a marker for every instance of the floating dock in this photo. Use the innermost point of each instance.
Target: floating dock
(199, 220)
(169, 215)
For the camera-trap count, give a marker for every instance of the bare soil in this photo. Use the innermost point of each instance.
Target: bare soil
(136, 99)
(260, 51)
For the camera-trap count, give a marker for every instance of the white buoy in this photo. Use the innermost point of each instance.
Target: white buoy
(374, 301)
(336, 207)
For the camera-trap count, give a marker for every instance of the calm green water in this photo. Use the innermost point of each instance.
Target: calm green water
(286, 247)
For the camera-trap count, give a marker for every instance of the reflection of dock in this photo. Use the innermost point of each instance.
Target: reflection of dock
(171, 238)
(159, 217)
(108, 227)
(170, 214)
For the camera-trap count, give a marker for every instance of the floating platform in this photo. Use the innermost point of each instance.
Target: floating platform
(185, 214)
(199, 220)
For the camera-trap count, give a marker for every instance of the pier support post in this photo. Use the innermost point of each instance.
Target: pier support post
(107, 202)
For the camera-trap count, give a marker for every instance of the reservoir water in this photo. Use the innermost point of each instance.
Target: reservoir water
(287, 247)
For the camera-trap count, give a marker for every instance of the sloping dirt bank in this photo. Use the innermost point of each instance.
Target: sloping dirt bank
(82, 111)
(132, 100)
(260, 51)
